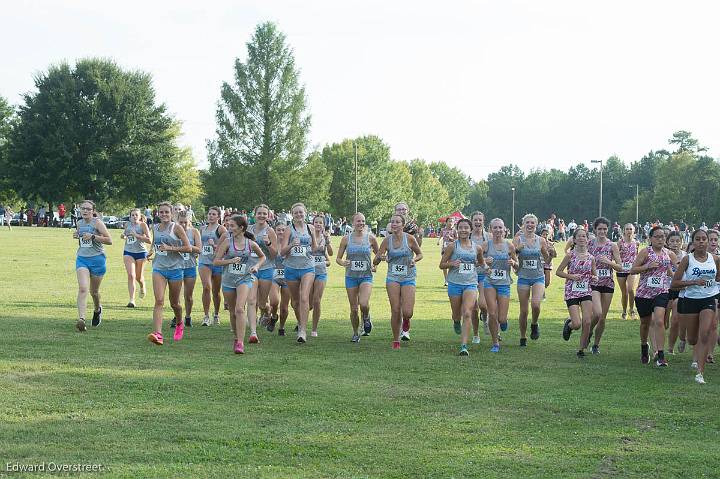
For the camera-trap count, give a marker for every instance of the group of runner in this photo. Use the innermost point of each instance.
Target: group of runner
(264, 269)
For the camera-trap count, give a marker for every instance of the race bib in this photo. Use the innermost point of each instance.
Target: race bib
(319, 259)
(298, 251)
(399, 270)
(85, 243)
(580, 286)
(156, 247)
(655, 282)
(627, 266)
(466, 268)
(498, 274)
(358, 266)
(186, 256)
(530, 264)
(709, 283)
(238, 268)
(603, 273)
(208, 250)
(280, 273)
(130, 239)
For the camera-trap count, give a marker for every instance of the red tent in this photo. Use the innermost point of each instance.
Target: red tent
(457, 215)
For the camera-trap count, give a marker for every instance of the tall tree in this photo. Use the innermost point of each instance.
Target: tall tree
(94, 131)
(455, 182)
(262, 126)
(686, 143)
(430, 200)
(7, 116)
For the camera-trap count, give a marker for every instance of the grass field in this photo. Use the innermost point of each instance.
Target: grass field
(330, 408)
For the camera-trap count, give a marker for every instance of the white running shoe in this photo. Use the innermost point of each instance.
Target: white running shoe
(476, 340)
(206, 321)
(699, 378)
(693, 365)
(216, 320)
(405, 335)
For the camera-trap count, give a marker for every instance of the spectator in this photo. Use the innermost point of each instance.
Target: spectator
(61, 213)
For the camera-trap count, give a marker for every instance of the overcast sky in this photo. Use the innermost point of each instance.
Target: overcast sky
(477, 84)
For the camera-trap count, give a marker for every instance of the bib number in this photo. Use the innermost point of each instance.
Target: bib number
(655, 282)
(238, 268)
(208, 250)
(627, 266)
(498, 274)
(709, 283)
(530, 264)
(603, 273)
(130, 239)
(297, 251)
(156, 247)
(85, 243)
(358, 266)
(280, 273)
(186, 256)
(399, 270)
(580, 286)
(466, 268)
(319, 259)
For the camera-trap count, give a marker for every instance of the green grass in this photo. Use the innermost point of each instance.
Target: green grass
(330, 408)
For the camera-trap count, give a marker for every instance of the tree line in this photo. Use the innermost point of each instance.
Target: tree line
(94, 130)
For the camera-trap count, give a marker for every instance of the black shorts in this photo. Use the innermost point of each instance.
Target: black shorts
(694, 306)
(646, 306)
(673, 294)
(577, 301)
(603, 289)
(622, 275)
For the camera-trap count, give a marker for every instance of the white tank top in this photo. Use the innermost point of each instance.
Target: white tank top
(697, 270)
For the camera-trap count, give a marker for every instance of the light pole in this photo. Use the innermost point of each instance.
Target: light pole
(601, 168)
(513, 211)
(356, 177)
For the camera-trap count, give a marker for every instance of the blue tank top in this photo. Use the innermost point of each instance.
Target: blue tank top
(399, 259)
(235, 274)
(359, 257)
(530, 259)
(89, 247)
(259, 235)
(189, 259)
(132, 244)
(466, 273)
(300, 257)
(207, 251)
(166, 260)
(498, 272)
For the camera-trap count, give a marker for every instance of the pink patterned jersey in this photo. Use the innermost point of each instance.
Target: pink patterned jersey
(655, 281)
(583, 267)
(604, 271)
(628, 253)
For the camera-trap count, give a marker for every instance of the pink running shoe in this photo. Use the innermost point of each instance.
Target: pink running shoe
(179, 331)
(239, 347)
(396, 344)
(253, 339)
(156, 338)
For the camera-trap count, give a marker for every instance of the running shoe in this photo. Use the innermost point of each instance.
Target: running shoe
(272, 322)
(367, 325)
(624, 315)
(396, 344)
(661, 363)
(699, 378)
(445, 284)
(457, 327)
(173, 323)
(188, 322)
(281, 332)
(580, 354)
(179, 331)
(504, 326)
(693, 365)
(495, 348)
(710, 359)
(301, 337)
(80, 325)
(681, 346)
(534, 331)
(142, 292)
(130, 305)
(264, 320)
(239, 347)
(632, 315)
(97, 318)
(644, 354)
(567, 331)
(216, 320)
(295, 329)
(313, 334)
(206, 321)
(253, 339)
(476, 340)
(405, 335)
(595, 349)
(523, 342)
(355, 338)
(464, 350)
(156, 338)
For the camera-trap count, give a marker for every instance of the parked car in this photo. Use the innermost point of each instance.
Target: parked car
(15, 221)
(67, 223)
(112, 222)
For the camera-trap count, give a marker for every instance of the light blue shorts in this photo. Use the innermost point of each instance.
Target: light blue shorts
(190, 272)
(170, 274)
(265, 274)
(246, 282)
(455, 289)
(321, 277)
(356, 282)
(94, 264)
(481, 279)
(500, 289)
(292, 274)
(528, 283)
(408, 282)
(216, 270)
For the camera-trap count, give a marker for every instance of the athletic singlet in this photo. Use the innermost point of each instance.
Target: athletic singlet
(604, 271)
(279, 271)
(530, 259)
(132, 245)
(88, 247)
(399, 259)
(498, 273)
(359, 257)
(166, 260)
(236, 273)
(628, 253)
(697, 270)
(189, 259)
(654, 281)
(268, 264)
(300, 257)
(583, 267)
(466, 273)
(319, 256)
(207, 251)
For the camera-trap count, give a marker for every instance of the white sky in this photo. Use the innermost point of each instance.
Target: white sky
(477, 84)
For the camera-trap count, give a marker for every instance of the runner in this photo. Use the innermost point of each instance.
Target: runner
(677, 328)
(279, 292)
(267, 240)
(90, 269)
(210, 275)
(189, 264)
(548, 267)
(628, 247)
(580, 272)
(499, 256)
(479, 236)
(697, 275)
(446, 237)
(136, 234)
(413, 229)
(713, 248)
(321, 256)
(299, 266)
(532, 250)
(169, 241)
(358, 273)
(654, 264)
(238, 277)
(402, 252)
